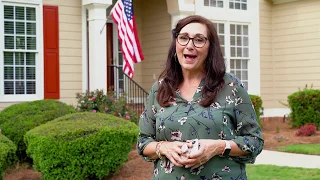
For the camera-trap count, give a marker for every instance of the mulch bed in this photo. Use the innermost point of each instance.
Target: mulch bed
(138, 169)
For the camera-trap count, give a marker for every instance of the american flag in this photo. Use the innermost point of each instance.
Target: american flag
(122, 14)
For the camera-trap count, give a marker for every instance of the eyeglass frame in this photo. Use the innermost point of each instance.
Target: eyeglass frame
(177, 37)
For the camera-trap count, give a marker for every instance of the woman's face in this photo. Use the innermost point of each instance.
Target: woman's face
(192, 54)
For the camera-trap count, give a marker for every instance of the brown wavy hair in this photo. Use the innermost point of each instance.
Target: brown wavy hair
(215, 67)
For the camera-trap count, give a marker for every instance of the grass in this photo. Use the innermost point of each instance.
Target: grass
(271, 172)
(312, 149)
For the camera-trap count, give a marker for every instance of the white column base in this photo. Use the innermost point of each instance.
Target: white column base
(276, 112)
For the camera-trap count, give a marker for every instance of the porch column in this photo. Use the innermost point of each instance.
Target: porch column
(179, 9)
(97, 43)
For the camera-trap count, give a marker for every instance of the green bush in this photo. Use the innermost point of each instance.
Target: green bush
(17, 119)
(99, 101)
(7, 154)
(305, 107)
(257, 104)
(81, 146)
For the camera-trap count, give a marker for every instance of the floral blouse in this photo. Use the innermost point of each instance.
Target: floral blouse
(230, 117)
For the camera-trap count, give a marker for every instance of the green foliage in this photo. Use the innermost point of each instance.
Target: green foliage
(257, 104)
(17, 119)
(81, 146)
(305, 107)
(7, 154)
(312, 149)
(99, 101)
(271, 172)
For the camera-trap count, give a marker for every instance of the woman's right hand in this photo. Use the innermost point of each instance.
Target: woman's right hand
(172, 150)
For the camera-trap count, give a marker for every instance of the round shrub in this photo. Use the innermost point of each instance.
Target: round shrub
(17, 119)
(305, 107)
(7, 154)
(81, 146)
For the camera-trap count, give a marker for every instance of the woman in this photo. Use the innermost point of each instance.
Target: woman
(195, 99)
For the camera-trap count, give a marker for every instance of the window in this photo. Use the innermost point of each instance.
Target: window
(220, 30)
(213, 3)
(238, 4)
(19, 65)
(239, 51)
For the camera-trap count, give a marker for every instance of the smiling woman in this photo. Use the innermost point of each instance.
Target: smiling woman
(199, 121)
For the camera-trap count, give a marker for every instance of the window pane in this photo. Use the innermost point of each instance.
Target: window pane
(245, 52)
(20, 28)
(245, 41)
(236, 5)
(8, 27)
(31, 43)
(221, 28)
(231, 5)
(20, 42)
(8, 87)
(19, 73)
(8, 73)
(232, 40)
(31, 87)
(8, 12)
(206, 2)
(232, 64)
(31, 73)
(221, 40)
(9, 42)
(31, 28)
(244, 7)
(244, 75)
(238, 64)
(238, 74)
(19, 58)
(20, 13)
(30, 59)
(31, 14)
(239, 41)
(233, 51)
(8, 58)
(239, 52)
(239, 29)
(245, 30)
(232, 29)
(20, 87)
(244, 64)
(220, 4)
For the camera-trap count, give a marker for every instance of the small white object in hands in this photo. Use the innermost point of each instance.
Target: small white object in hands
(184, 148)
(195, 146)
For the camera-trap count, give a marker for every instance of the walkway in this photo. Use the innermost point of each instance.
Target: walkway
(288, 159)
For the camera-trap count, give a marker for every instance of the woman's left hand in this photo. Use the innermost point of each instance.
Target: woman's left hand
(208, 149)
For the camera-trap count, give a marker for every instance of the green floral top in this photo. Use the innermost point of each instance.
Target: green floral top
(231, 117)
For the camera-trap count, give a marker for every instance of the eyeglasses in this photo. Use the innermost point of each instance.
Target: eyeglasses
(198, 41)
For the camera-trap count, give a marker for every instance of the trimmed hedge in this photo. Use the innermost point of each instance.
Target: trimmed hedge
(257, 104)
(17, 119)
(305, 107)
(7, 154)
(81, 145)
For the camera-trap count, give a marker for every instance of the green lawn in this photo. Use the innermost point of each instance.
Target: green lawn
(313, 149)
(271, 172)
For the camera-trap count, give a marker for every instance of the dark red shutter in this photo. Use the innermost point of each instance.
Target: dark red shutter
(51, 52)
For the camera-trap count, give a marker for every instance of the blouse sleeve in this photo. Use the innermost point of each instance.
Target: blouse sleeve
(147, 124)
(248, 131)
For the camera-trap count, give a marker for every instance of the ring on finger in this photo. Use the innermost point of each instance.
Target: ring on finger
(200, 162)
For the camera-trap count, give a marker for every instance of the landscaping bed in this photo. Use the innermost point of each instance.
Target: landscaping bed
(138, 169)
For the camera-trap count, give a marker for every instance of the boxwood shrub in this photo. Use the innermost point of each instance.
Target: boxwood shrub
(17, 119)
(83, 145)
(257, 104)
(305, 107)
(7, 154)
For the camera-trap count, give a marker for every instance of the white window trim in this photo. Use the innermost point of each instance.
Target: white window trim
(39, 56)
(248, 17)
